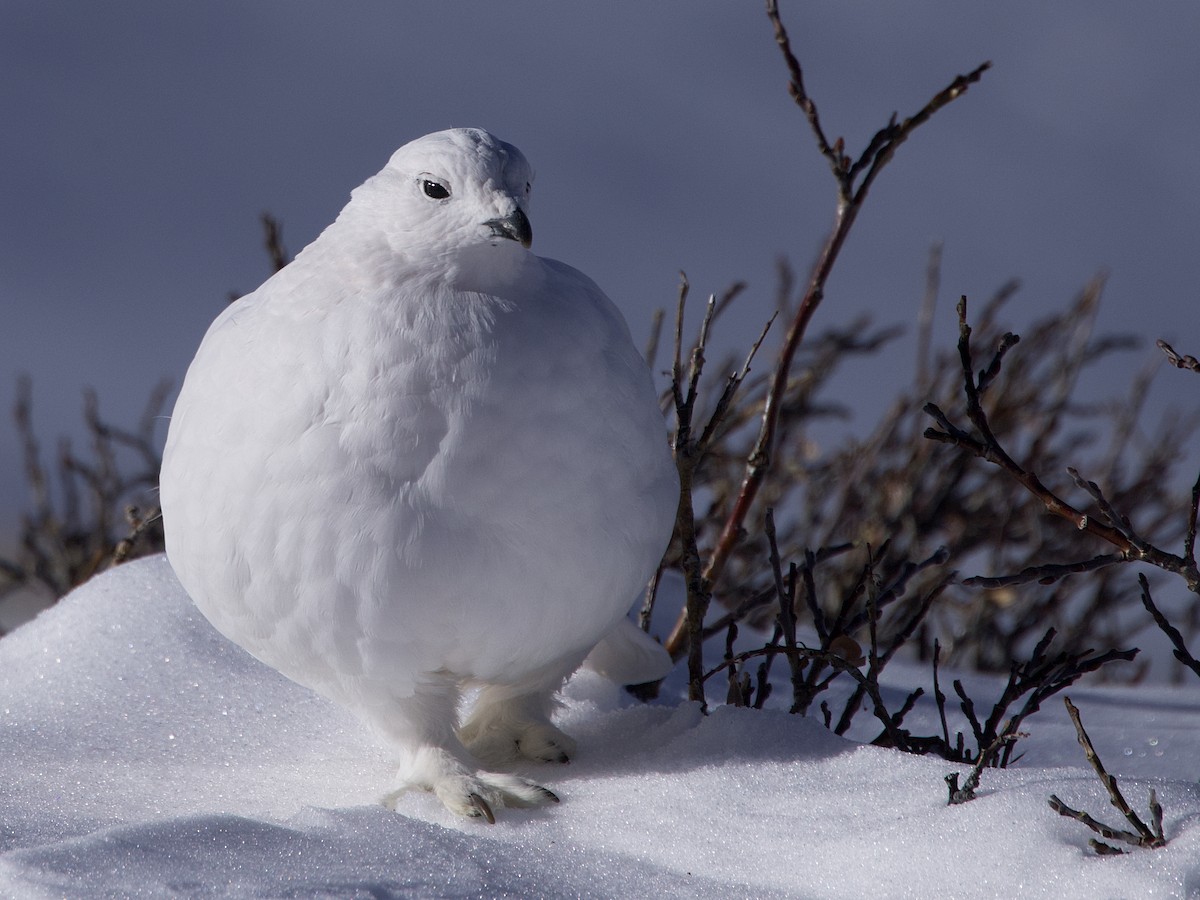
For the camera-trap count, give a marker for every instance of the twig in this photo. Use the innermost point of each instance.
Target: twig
(939, 696)
(689, 451)
(1150, 836)
(966, 793)
(786, 597)
(647, 611)
(139, 525)
(1047, 574)
(273, 241)
(1114, 518)
(1180, 362)
(1181, 650)
(854, 182)
(1037, 679)
(1189, 541)
(63, 543)
(834, 661)
(1120, 533)
(900, 636)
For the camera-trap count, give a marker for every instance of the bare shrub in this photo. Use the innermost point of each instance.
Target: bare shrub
(848, 557)
(92, 510)
(87, 511)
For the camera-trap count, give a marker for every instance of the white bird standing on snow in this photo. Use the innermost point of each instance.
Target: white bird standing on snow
(420, 458)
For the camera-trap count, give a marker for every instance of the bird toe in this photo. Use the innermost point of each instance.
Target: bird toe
(545, 743)
(479, 795)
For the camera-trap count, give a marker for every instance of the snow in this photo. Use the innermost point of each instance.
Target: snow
(142, 755)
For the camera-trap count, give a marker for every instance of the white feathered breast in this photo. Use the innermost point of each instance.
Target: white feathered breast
(375, 471)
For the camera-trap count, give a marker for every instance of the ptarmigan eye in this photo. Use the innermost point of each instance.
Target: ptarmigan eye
(434, 190)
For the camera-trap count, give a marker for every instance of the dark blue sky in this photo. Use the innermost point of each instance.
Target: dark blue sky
(140, 141)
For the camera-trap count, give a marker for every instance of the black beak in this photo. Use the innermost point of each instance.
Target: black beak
(514, 227)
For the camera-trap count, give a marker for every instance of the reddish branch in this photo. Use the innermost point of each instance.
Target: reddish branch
(854, 180)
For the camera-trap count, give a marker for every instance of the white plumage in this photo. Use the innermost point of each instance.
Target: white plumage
(419, 458)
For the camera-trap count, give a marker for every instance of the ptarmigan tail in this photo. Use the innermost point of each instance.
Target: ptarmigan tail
(627, 655)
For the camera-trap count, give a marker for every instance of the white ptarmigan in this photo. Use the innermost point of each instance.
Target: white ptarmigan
(421, 458)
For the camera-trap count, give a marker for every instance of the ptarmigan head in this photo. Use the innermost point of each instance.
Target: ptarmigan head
(451, 189)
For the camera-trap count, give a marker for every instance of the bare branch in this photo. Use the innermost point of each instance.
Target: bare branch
(984, 444)
(1181, 650)
(1180, 362)
(273, 241)
(837, 161)
(966, 793)
(1142, 834)
(851, 198)
(1046, 574)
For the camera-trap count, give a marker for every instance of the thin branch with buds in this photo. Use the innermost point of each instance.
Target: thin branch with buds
(854, 179)
(1108, 526)
(1150, 836)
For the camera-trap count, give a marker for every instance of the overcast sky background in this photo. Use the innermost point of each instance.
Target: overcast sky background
(139, 141)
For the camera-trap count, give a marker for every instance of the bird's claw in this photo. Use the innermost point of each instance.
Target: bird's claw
(542, 751)
(481, 809)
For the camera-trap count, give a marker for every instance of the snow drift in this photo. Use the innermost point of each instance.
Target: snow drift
(141, 754)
